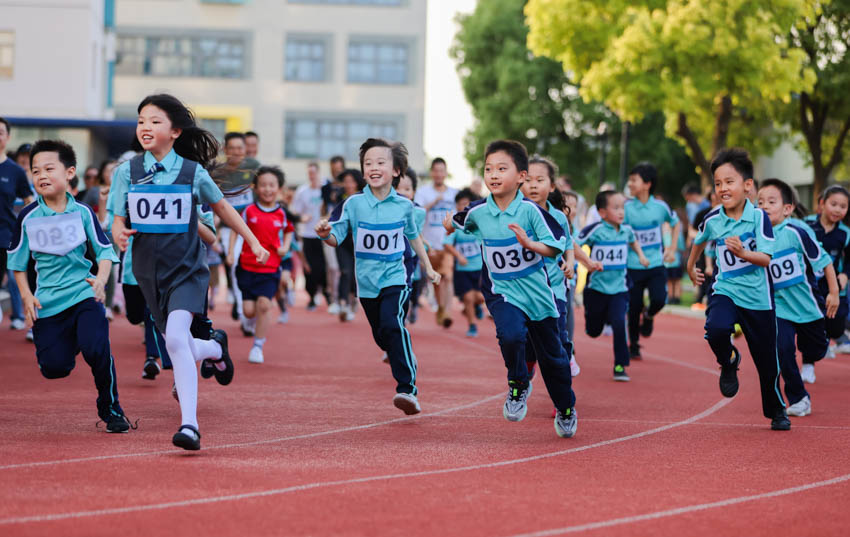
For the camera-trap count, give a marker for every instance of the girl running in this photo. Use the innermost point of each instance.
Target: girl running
(155, 200)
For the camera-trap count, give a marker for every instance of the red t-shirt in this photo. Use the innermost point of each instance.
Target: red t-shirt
(268, 225)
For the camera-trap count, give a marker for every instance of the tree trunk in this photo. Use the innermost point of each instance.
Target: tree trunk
(721, 124)
(685, 132)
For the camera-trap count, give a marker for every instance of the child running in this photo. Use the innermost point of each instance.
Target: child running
(380, 220)
(406, 187)
(466, 249)
(155, 200)
(66, 313)
(606, 295)
(742, 291)
(517, 234)
(798, 257)
(258, 282)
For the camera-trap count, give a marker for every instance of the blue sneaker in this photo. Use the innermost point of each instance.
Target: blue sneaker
(479, 312)
(473, 331)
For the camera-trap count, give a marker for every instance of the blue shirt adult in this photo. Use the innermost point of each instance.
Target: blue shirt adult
(646, 219)
(13, 184)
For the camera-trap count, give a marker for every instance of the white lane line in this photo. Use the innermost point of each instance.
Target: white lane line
(324, 484)
(795, 424)
(255, 442)
(685, 510)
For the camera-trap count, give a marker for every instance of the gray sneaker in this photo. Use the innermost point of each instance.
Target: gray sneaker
(566, 423)
(515, 403)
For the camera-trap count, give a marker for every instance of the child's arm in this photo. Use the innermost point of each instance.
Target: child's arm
(535, 246)
(569, 261)
(231, 218)
(831, 298)
(98, 284)
(694, 273)
(582, 257)
(323, 230)
(287, 242)
(231, 244)
(31, 304)
(120, 233)
(448, 225)
(670, 251)
(207, 235)
(635, 246)
(735, 246)
(419, 248)
(452, 250)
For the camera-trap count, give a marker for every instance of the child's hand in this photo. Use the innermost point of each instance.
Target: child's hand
(568, 272)
(696, 276)
(229, 259)
(521, 235)
(643, 260)
(831, 305)
(462, 261)
(735, 245)
(323, 228)
(434, 276)
(669, 255)
(217, 248)
(595, 266)
(447, 224)
(31, 307)
(99, 289)
(261, 253)
(123, 237)
(281, 251)
(842, 281)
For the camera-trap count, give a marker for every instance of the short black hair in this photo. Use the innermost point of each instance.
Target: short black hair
(355, 174)
(737, 158)
(252, 133)
(648, 174)
(338, 158)
(603, 197)
(397, 149)
(233, 136)
(23, 149)
(438, 160)
(691, 188)
(4, 121)
(466, 193)
(66, 153)
(551, 167)
(274, 170)
(412, 175)
(514, 149)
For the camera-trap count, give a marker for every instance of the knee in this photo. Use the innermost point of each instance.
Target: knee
(177, 343)
(510, 336)
(263, 306)
(55, 372)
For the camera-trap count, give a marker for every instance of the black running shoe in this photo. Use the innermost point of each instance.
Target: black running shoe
(117, 423)
(620, 374)
(729, 375)
(234, 312)
(207, 369)
(646, 325)
(151, 369)
(634, 351)
(223, 377)
(189, 442)
(780, 422)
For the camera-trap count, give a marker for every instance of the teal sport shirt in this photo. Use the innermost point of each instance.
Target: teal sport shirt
(608, 245)
(554, 264)
(469, 247)
(378, 228)
(645, 220)
(518, 275)
(419, 213)
(204, 189)
(746, 284)
(680, 247)
(793, 290)
(58, 243)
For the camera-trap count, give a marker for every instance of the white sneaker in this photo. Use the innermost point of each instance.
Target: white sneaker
(333, 309)
(830, 353)
(607, 330)
(29, 336)
(807, 373)
(575, 369)
(803, 407)
(385, 358)
(844, 348)
(18, 324)
(407, 402)
(290, 297)
(283, 318)
(256, 355)
(349, 316)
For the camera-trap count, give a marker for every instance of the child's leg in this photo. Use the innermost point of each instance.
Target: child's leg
(394, 337)
(720, 318)
(249, 308)
(512, 333)
(469, 307)
(92, 337)
(657, 290)
(554, 361)
(785, 332)
(595, 311)
(760, 330)
(55, 339)
(134, 303)
(639, 280)
(563, 334)
(570, 315)
(618, 306)
(262, 309)
(812, 341)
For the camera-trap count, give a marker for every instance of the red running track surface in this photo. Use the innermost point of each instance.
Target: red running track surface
(310, 444)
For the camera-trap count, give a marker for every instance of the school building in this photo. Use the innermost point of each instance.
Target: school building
(313, 77)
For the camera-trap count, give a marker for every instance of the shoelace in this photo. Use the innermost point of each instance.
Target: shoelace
(133, 425)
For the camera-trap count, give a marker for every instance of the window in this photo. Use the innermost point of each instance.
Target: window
(351, 2)
(7, 53)
(377, 62)
(306, 59)
(218, 127)
(322, 138)
(197, 56)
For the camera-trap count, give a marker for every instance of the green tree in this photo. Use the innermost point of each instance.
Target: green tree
(713, 67)
(516, 95)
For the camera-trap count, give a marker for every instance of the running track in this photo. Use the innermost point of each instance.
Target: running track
(310, 444)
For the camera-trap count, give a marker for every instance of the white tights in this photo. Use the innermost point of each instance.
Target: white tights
(185, 351)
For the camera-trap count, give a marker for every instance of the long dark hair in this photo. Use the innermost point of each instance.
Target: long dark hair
(833, 190)
(194, 143)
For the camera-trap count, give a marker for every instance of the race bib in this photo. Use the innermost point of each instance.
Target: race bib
(384, 242)
(57, 234)
(785, 269)
(468, 249)
(507, 260)
(241, 200)
(611, 254)
(160, 208)
(437, 214)
(648, 237)
(731, 265)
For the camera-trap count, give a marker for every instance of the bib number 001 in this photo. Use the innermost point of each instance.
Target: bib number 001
(384, 242)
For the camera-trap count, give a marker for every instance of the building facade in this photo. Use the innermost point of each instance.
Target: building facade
(314, 78)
